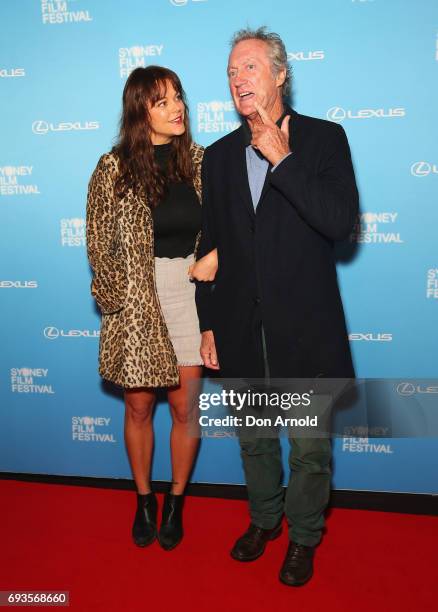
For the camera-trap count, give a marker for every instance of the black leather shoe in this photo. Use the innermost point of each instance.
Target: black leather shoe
(144, 529)
(297, 568)
(252, 544)
(171, 529)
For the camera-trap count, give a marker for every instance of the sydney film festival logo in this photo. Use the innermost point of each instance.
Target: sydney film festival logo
(137, 56)
(56, 12)
(73, 232)
(376, 228)
(91, 429)
(363, 445)
(30, 380)
(17, 180)
(216, 116)
(432, 284)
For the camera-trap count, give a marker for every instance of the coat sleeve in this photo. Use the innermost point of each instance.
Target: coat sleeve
(198, 188)
(207, 243)
(109, 283)
(327, 201)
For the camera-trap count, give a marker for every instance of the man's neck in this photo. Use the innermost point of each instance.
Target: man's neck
(277, 111)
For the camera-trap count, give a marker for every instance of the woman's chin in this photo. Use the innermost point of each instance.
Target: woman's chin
(179, 131)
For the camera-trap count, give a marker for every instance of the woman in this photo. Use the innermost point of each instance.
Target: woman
(143, 219)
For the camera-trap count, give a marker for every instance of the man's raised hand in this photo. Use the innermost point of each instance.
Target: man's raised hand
(270, 140)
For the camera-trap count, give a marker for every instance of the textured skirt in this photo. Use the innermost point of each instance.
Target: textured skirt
(177, 300)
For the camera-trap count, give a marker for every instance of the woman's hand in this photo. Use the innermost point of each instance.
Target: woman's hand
(205, 268)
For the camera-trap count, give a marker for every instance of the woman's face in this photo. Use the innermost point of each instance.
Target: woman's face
(167, 116)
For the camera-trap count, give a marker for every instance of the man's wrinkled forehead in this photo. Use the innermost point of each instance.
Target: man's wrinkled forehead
(248, 50)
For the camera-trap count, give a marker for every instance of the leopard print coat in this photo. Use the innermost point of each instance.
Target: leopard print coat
(135, 349)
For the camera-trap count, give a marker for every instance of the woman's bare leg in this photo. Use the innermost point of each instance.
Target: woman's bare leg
(183, 442)
(139, 435)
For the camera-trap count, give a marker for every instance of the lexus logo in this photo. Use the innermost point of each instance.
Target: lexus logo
(43, 127)
(336, 114)
(51, 333)
(423, 168)
(405, 388)
(40, 127)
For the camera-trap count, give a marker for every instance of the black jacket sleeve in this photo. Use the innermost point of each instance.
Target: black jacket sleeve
(328, 200)
(207, 243)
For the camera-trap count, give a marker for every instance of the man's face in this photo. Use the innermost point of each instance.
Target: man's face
(251, 78)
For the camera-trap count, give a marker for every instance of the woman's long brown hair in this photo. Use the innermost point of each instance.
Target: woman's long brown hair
(138, 170)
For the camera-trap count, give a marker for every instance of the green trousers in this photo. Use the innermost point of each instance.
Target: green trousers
(307, 493)
(308, 490)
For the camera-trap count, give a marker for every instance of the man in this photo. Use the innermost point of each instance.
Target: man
(277, 193)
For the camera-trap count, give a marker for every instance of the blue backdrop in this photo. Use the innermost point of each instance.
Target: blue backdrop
(371, 65)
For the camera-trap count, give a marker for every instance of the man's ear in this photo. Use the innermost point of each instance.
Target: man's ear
(280, 78)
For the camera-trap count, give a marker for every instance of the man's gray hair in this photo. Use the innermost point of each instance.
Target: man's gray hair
(277, 51)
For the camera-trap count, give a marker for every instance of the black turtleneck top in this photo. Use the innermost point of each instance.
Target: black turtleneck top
(177, 218)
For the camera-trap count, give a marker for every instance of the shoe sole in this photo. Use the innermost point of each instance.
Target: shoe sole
(296, 584)
(273, 536)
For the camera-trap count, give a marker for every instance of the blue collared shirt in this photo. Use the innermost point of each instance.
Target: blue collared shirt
(257, 166)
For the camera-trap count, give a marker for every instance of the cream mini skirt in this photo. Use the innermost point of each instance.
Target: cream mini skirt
(177, 300)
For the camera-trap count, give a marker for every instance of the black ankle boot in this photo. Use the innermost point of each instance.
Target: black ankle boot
(144, 529)
(171, 530)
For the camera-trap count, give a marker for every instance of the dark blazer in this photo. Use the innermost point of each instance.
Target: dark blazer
(277, 265)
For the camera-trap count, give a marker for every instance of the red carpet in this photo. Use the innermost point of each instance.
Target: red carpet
(78, 539)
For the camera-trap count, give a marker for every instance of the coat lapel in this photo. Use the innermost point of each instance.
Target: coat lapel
(241, 179)
(266, 186)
